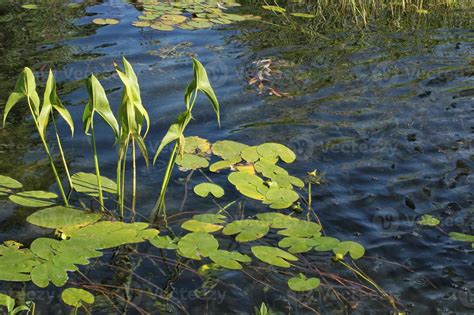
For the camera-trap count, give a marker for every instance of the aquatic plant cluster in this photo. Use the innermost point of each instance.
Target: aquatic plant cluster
(81, 235)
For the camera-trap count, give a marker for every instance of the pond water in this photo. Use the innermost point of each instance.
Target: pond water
(386, 115)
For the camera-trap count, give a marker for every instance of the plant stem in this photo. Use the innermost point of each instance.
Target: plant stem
(97, 169)
(160, 203)
(122, 178)
(51, 161)
(61, 152)
(134, 179)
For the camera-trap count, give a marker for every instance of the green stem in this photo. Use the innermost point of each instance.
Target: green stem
(61, 152)
(134, 179)
(160, 203)
(97, 169)
(122, 178)
(51, 161)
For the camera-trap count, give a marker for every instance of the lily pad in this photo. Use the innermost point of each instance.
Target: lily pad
(296, 244)
(276, 150)
(204, 189)
(76, 297)
(324, 243)
(59, 217)
(161, 27)
(164, 242)
(196, 145)
(247, 230)
(428, 220)
(300, 283)
(354, 249)
(191, 161)
(220, 165)
(210, 218)
(86, 183)
(172, 19)
(199, 226)
(16, 264)
(196, 245)
(461, 237)
(9, 182)
(273, 256)
(280, 198)
(106, 21)
(228, 150)
(229, 260)
(34, 198)
(141, 24)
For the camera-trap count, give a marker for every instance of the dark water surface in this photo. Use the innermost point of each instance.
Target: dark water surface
(388, 117)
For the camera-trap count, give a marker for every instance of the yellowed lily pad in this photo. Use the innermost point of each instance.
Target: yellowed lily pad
(106, 21)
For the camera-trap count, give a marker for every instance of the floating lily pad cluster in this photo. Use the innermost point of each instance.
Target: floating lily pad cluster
(255, 172)
(298, 236)
(188, 16)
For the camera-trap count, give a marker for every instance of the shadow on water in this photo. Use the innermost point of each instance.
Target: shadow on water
(386, 112)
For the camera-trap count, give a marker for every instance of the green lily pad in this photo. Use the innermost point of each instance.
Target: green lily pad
(77, 297)
(106, 21)
(247, 230)
(276, 150)
(199, 226)
(191, 161)
(229, 260)
(250, 154)
(16, 264)
(34, 198)
(269, 170)
(301, 228)
(164, 242)
(300, 283)
(273, 256)
(196, 245)
(196, 145)
(228, 150)
(204, 189)
(9, 182)
(220, 165)
(296, 244)
(280, 198)
(248, 185)
(324, 243)
(200, 24)
(161, 27)
(141, 24)
(59, 217)
(354, 249)
(86, 183)
(428, 220)
(287, 181)
(172, 19)
(277, 220)
(210, 218)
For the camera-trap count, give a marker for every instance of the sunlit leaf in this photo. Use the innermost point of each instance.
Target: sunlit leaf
(204, 189)
(98, 103)
(191, 161)
(229, 260)
(428, 220)
(86, 183)
(354, 249)
(210, 218)
(461, 237)
(199, 226)
(300, 283)
(296, 244)
(303, 15)
(106, 21)
(196, 245)
(164, 242)
(59, 217)
(246, 230)
(273, 256)
(228, 150)
(274, 8)
(276, 150)
(77, 297)
(25, 87)
(196, 145)
(324, 243)
(34, 198)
